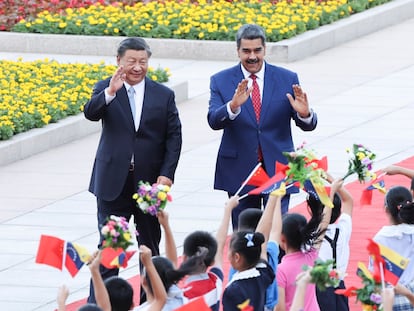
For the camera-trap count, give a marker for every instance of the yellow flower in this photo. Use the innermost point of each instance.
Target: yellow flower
(127, 236)
(162, 196)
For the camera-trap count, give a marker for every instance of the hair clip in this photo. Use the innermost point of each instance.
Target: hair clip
(249, 238)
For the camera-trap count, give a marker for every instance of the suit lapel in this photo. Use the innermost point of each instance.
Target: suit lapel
(146, 103)
(268, 89)
(248, 105)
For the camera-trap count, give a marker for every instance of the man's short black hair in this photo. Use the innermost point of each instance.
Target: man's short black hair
(133, 43)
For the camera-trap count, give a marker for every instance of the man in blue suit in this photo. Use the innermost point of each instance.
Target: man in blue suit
(249, 135)
(140, 140)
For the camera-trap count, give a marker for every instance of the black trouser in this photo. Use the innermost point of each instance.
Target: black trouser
(148, 227)
(329, 301)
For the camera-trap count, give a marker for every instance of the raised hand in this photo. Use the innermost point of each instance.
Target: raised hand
(117, 81)
(241, 94)
(300, 101)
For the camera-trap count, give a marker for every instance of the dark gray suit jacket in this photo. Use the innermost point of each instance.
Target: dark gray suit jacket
(156, 145)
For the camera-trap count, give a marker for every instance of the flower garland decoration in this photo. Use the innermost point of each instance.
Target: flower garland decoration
(116, 233)
(323, 274)
(360, 163)
(152, 198)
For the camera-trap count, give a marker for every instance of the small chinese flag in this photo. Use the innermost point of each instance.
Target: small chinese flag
(50, 251)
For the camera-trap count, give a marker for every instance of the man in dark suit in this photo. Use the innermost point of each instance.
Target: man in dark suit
(140, 140)
(253, 135)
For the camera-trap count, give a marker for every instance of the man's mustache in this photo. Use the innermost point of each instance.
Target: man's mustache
(252, 61)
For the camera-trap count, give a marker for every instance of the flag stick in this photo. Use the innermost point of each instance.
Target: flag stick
(243, 196)
(381, 175)
(246, 194)
(248, 177)
(382, 276)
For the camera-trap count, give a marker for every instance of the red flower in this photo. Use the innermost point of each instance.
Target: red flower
(348, 292)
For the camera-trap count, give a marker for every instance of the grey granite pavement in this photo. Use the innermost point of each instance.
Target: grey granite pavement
(361, 90)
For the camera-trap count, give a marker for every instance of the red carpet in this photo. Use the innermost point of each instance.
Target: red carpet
(367, 220)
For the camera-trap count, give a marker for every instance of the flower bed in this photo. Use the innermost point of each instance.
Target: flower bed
(37, 93)
(214, 20)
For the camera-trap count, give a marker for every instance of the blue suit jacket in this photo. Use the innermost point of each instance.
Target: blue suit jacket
(237, 154)
(156, 145)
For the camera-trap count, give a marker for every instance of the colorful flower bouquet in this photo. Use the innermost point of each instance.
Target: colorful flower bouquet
(323, 274)
(152, 198)
(116, 233)
(304, 165)
(369, 294)
(360, 163)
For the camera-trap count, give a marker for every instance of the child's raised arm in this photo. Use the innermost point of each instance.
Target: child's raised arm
(302, 281)
(398, 170)
(101, 294)
(158, 289)
(347, 202)
(276, 230)
(221, 235)
(63, 294)
(170, 247)
(265, 224)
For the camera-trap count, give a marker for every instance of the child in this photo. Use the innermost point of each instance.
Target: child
(301, 240)
(248, 220)
(166, 266)
(247, 255)
(335, 246)
(203, 283)
(116, 294)
(399, 236)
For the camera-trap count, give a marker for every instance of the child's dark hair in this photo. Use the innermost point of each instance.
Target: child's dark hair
(399, 204)
(90, 307)
(248, 244)
(169, 275)
(299, 232)
(336, 210)
(249, 218)
(120, 293)
(197, 239)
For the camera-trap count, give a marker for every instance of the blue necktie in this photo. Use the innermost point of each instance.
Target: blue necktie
(131, 96)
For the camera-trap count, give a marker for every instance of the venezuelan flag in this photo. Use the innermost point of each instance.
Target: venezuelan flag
(394, 264)
(76, 257)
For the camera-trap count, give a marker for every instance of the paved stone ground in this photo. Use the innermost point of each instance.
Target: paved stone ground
(361, 90)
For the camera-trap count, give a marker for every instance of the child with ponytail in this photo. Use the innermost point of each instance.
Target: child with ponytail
(399, 236)
(301, 240)
(247, 255)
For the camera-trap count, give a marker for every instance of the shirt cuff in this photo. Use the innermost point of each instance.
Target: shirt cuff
(232, 115)
(307, 120)
(108, 98)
